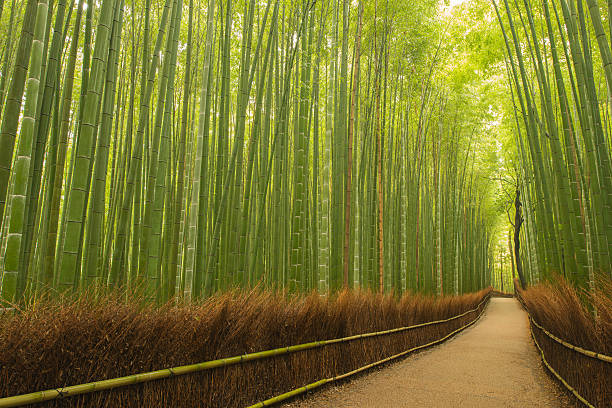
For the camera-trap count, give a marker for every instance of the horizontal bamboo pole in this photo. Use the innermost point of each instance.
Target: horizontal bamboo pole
(557, 375)
(317, 384)
(570, 346)
(291, 394)
(108, 384)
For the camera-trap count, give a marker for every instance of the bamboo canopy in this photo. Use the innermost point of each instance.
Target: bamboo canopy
(211, 145)
(192, 147)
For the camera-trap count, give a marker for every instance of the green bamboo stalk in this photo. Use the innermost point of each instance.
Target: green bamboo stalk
(10, 118)
(70, 261)
(154, 275)
(13, 273)
(178, 203)
(92, 266)
(199, 204)
(136, 160)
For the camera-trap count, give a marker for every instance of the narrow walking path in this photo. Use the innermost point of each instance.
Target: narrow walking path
(491, 364)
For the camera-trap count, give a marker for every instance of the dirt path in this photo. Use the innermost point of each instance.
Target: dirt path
(491, 364)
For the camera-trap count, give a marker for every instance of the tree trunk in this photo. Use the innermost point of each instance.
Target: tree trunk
(518, 221)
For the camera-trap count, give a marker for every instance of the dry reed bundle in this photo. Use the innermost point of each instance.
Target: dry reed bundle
(54, 344)
(581, 319)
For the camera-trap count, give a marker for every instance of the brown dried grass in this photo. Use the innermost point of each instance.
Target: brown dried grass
(579, 318)
(59, 343)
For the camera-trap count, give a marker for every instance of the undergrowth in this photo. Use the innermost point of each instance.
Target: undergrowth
(54, 343)
(583, 319)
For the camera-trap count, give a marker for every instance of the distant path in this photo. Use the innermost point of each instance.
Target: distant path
(491, 364)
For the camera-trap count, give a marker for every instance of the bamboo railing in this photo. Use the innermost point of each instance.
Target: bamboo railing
(317, 384)
(580, 350)
(73, 390)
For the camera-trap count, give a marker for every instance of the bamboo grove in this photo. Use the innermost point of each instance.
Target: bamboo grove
(558, 63)
(193, 147)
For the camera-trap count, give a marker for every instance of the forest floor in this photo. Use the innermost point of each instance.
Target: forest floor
(491, 364)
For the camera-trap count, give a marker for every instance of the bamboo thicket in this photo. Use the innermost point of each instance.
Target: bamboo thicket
(189, 148)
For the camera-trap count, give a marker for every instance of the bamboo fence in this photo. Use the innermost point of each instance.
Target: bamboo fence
(108, 384)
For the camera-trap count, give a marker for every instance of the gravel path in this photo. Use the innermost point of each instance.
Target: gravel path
(491, 364)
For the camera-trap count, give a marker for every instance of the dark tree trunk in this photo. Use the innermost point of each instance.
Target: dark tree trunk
(511, 257)
(518, 221)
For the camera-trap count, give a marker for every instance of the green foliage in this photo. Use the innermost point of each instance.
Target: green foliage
(198, 154)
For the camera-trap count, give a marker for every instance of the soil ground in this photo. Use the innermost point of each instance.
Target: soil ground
(491, 364)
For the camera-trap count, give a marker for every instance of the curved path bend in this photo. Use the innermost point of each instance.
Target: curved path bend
(491, 364)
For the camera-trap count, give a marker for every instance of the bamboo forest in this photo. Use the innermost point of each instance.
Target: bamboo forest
(231, 203)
